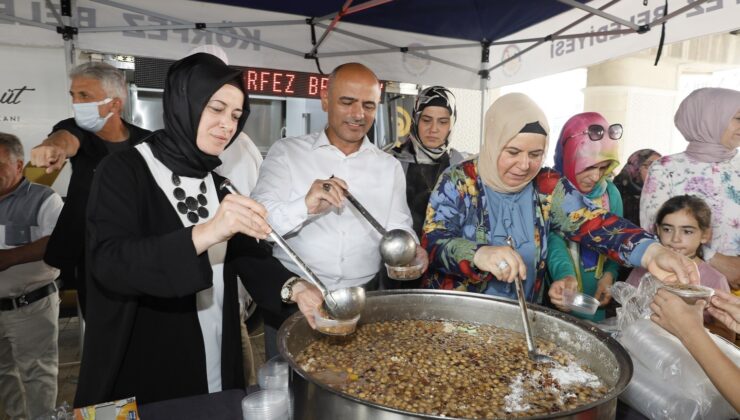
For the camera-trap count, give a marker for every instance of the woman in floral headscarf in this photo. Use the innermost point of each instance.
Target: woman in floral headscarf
(709, 120)
(426, 152)
(586, 154)
(630, 180)
(488, 218)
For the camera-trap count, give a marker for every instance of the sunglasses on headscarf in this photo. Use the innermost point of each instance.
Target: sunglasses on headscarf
(596, 132)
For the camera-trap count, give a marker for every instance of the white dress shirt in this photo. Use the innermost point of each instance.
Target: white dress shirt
(240, 163)
(340, 246)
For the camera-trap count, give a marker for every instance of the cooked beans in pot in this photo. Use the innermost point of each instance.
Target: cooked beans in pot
(455, 369)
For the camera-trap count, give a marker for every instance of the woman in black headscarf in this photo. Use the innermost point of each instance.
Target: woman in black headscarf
(165, 254)
(426, 152)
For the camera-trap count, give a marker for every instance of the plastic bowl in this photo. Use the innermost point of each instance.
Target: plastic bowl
(579, 302)
(330, 326)
(690, 292)
(273, 374)
(270, 404)
(406, 272)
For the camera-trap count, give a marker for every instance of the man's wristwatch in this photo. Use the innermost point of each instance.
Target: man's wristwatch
(286, 293)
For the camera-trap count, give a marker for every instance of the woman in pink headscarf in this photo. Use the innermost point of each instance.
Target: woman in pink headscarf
(709, 119)
(587, 152)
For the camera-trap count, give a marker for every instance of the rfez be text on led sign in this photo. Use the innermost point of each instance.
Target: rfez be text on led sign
(284, 83)
(274, 82)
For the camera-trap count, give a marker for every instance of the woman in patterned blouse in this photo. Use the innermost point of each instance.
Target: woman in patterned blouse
(489, 217)
(709, 119)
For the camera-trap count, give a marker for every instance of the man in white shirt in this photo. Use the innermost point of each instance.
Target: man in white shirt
(339, 245)
(29, 302)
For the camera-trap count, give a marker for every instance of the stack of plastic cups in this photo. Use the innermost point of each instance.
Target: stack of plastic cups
(273, 401)
(269, 404)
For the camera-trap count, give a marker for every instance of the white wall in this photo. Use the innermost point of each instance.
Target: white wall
(43, 98)
(560, 96)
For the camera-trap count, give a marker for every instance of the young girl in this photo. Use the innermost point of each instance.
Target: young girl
(684, 224)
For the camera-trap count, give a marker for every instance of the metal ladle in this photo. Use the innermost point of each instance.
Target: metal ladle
(397, 246)
(341, 304)
(531, 347)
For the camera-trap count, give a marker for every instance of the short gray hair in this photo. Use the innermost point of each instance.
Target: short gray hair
(111, 79)
(12, 145)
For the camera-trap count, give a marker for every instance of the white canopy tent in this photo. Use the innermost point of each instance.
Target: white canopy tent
(257, 38)
(583, 35)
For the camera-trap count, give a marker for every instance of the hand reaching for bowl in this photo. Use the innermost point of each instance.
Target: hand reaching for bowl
(726, 308)
(558, 287)
(669, 266)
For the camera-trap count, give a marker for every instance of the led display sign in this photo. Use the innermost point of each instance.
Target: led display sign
(273, 82)
(284, 83)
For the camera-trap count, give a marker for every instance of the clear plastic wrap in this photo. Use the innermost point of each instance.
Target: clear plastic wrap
(635, 301)
(667, 382)
(657, 399)
(668, 358)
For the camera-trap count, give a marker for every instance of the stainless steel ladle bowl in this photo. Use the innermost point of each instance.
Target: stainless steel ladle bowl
(341, 304)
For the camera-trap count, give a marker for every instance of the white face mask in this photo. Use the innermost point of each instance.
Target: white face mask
(88, 117)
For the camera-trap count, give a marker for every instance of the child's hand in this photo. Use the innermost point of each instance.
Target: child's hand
(726, 308)
(676, 316)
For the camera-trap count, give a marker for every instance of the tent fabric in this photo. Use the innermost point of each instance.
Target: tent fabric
(274, 34)
(473, 20)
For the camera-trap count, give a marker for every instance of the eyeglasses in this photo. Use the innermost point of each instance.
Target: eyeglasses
(596, 132)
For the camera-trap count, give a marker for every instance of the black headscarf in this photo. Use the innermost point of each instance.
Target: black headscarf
(190, 84)
(432, 96)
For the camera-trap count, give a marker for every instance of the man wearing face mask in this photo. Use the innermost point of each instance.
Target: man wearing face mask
(98, 93)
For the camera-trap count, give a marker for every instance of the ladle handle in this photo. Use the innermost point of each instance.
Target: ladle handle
(310, 276)
(523, 308)
(363, 211)
(525, 319)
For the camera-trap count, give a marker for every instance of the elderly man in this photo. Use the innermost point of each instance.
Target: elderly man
(334, 239)
(29, 303)
(98, 93)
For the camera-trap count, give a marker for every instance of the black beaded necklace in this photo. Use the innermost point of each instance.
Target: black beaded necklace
(194, 207)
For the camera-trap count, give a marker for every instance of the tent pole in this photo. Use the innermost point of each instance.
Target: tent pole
(603, 14)
(484, 74)
(69, 20)
(483, 99)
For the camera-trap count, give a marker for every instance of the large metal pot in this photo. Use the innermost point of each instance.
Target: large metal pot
(595, 349)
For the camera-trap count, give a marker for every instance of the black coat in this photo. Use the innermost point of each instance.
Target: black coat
(65, 249)
(143, 337)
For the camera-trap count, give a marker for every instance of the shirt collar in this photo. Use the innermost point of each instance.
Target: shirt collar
(22, 188)
(323, 141)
